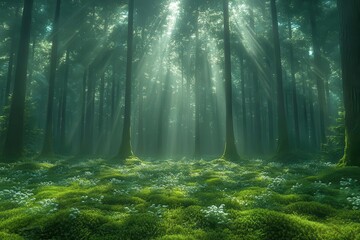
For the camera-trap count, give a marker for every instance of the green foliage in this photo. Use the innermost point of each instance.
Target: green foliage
(335, 142)
(311, 208)
(178, 200)
(7, 236)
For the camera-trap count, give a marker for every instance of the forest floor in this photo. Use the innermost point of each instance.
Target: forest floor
(183, 199)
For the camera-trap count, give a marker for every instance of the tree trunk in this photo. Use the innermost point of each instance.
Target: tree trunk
(198, 69)
(283, 139)
(318, 72)
(48, 139)
(14, 142)
(64, 105)
(294, 87)
(9, 78)
(230, 151)
(350, 61)
(125, 150)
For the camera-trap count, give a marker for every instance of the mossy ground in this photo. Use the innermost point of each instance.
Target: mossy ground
(178, 199)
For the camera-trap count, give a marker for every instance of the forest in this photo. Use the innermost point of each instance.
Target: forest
(180, 119)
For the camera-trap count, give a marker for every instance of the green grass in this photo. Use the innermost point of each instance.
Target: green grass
(178, 199)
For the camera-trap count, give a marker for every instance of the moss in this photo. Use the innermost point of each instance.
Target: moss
(10, 236)
(122, 200)
(27, 166)
(348, 216)
(177, 237)
(286, 199)
(63, 225)
(215, 181)
(334, 175)
(315, 209)
(141, 226)
(172, 200)
(268, 225)
(15, 219)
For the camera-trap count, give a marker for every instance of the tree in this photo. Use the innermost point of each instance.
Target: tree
(349, 12)
(48, 139)
(125, 150)
(14, 142)
(283, 139)
(318, 69)
(230, 151)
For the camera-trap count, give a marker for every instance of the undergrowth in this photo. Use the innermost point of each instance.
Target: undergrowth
(178, 199)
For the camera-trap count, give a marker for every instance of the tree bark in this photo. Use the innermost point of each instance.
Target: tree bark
(125, 150)
(283, 139)
(294, 87)
(48, 139)
(350, 61)
(230, 151)
(318, 72)
(14, 143)
(63, 99)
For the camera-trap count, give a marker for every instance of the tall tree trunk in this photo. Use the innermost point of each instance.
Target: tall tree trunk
(90, 110)
(9, 78)
(82, 145)
(230, 151)
(318, 72)
(125, 149)
(48, 139)
(350, 61)
(294, 87)
(101, 106)
(63, 99)
(10, 72)
(243, 100)
(257, 146)
(283, 139)
(198, 69)
(14, 142)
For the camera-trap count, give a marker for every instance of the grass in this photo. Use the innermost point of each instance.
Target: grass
(178, 199)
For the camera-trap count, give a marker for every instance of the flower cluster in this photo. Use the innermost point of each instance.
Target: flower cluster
(277, 184)
(157, 210)
(87, 199)
(83, 182)
(216, 214)
(297, 187)
(45, 206)
(19, 196)
(74, 213)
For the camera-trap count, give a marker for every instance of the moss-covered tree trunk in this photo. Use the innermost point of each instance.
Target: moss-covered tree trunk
(349, 11)
(14, 142)
(125, 149)
(230, 151)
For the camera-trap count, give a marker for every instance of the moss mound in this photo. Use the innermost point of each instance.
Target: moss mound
(311, 208)
(271, 225)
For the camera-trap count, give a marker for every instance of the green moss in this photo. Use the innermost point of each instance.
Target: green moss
(14, 219)
(271, 225)
(311, 208)
(177, 237)
(171, 200)
(140, 226)
(214, 181)
(334, 175)
(27, 166)
(63, 225)
(286, 199)
(10, 236)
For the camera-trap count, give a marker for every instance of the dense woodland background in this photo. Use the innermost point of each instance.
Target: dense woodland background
(264, 77)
